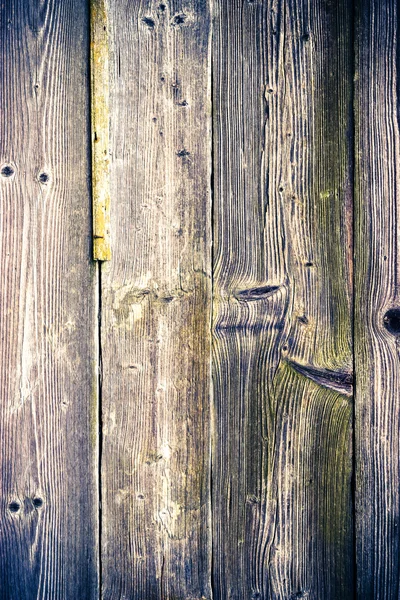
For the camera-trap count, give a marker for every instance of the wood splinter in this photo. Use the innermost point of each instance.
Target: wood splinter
(100, 130)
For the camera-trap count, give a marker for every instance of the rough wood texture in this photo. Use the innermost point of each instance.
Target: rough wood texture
(48, 502)
(376, 292)
(156, 306)
(282, 344)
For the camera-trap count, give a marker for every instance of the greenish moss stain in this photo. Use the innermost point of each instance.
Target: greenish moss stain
(334, 155)
(335, 527)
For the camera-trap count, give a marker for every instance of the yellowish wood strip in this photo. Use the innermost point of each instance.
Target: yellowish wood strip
(100, 130)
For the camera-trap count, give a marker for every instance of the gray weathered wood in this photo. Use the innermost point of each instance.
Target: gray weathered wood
(377, 400)
(282, 341)
(48, 422)
(156, 305)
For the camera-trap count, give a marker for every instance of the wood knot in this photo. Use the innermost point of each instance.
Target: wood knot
(391, 321)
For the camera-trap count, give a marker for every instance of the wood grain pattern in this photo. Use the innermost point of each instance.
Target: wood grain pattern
(376, 292)
(48, 422)
(239, 487)
(156, 306)
(282, 332)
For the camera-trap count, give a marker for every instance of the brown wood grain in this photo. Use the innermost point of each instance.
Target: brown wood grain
(282, 331)
(48, 421)
(376, 293)
(156, 305)
(224, 372)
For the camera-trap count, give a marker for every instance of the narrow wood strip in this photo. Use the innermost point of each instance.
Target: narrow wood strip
(100, 129)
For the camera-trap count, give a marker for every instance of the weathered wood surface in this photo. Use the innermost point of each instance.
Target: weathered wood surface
(156, 305)
(377, 292)
(282, 343)
(243, 491)
(48, 457)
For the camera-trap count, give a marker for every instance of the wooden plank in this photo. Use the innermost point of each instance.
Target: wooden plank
(377, 323)
(282, 334)
(156, 305)
(48, 516)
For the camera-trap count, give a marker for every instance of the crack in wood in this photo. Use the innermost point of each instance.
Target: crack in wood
(257, 293)
(340, 381)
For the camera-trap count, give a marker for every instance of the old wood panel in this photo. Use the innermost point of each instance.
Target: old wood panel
(156, 305)
(377, 316)
(282, 332)
(48, 502)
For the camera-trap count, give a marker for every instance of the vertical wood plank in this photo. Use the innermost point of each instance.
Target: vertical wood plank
(282, 332)
(156, 305)
(48, 420)
(377, 322)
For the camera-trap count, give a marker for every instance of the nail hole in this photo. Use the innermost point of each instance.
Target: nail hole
(7, 171)
(162, 7)
(43, 178)
(391, 320)
(14, 507)
(149, 22)
(303, 319)
(140, 496)
(37, 502)
(179, 19)
(183, 153)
